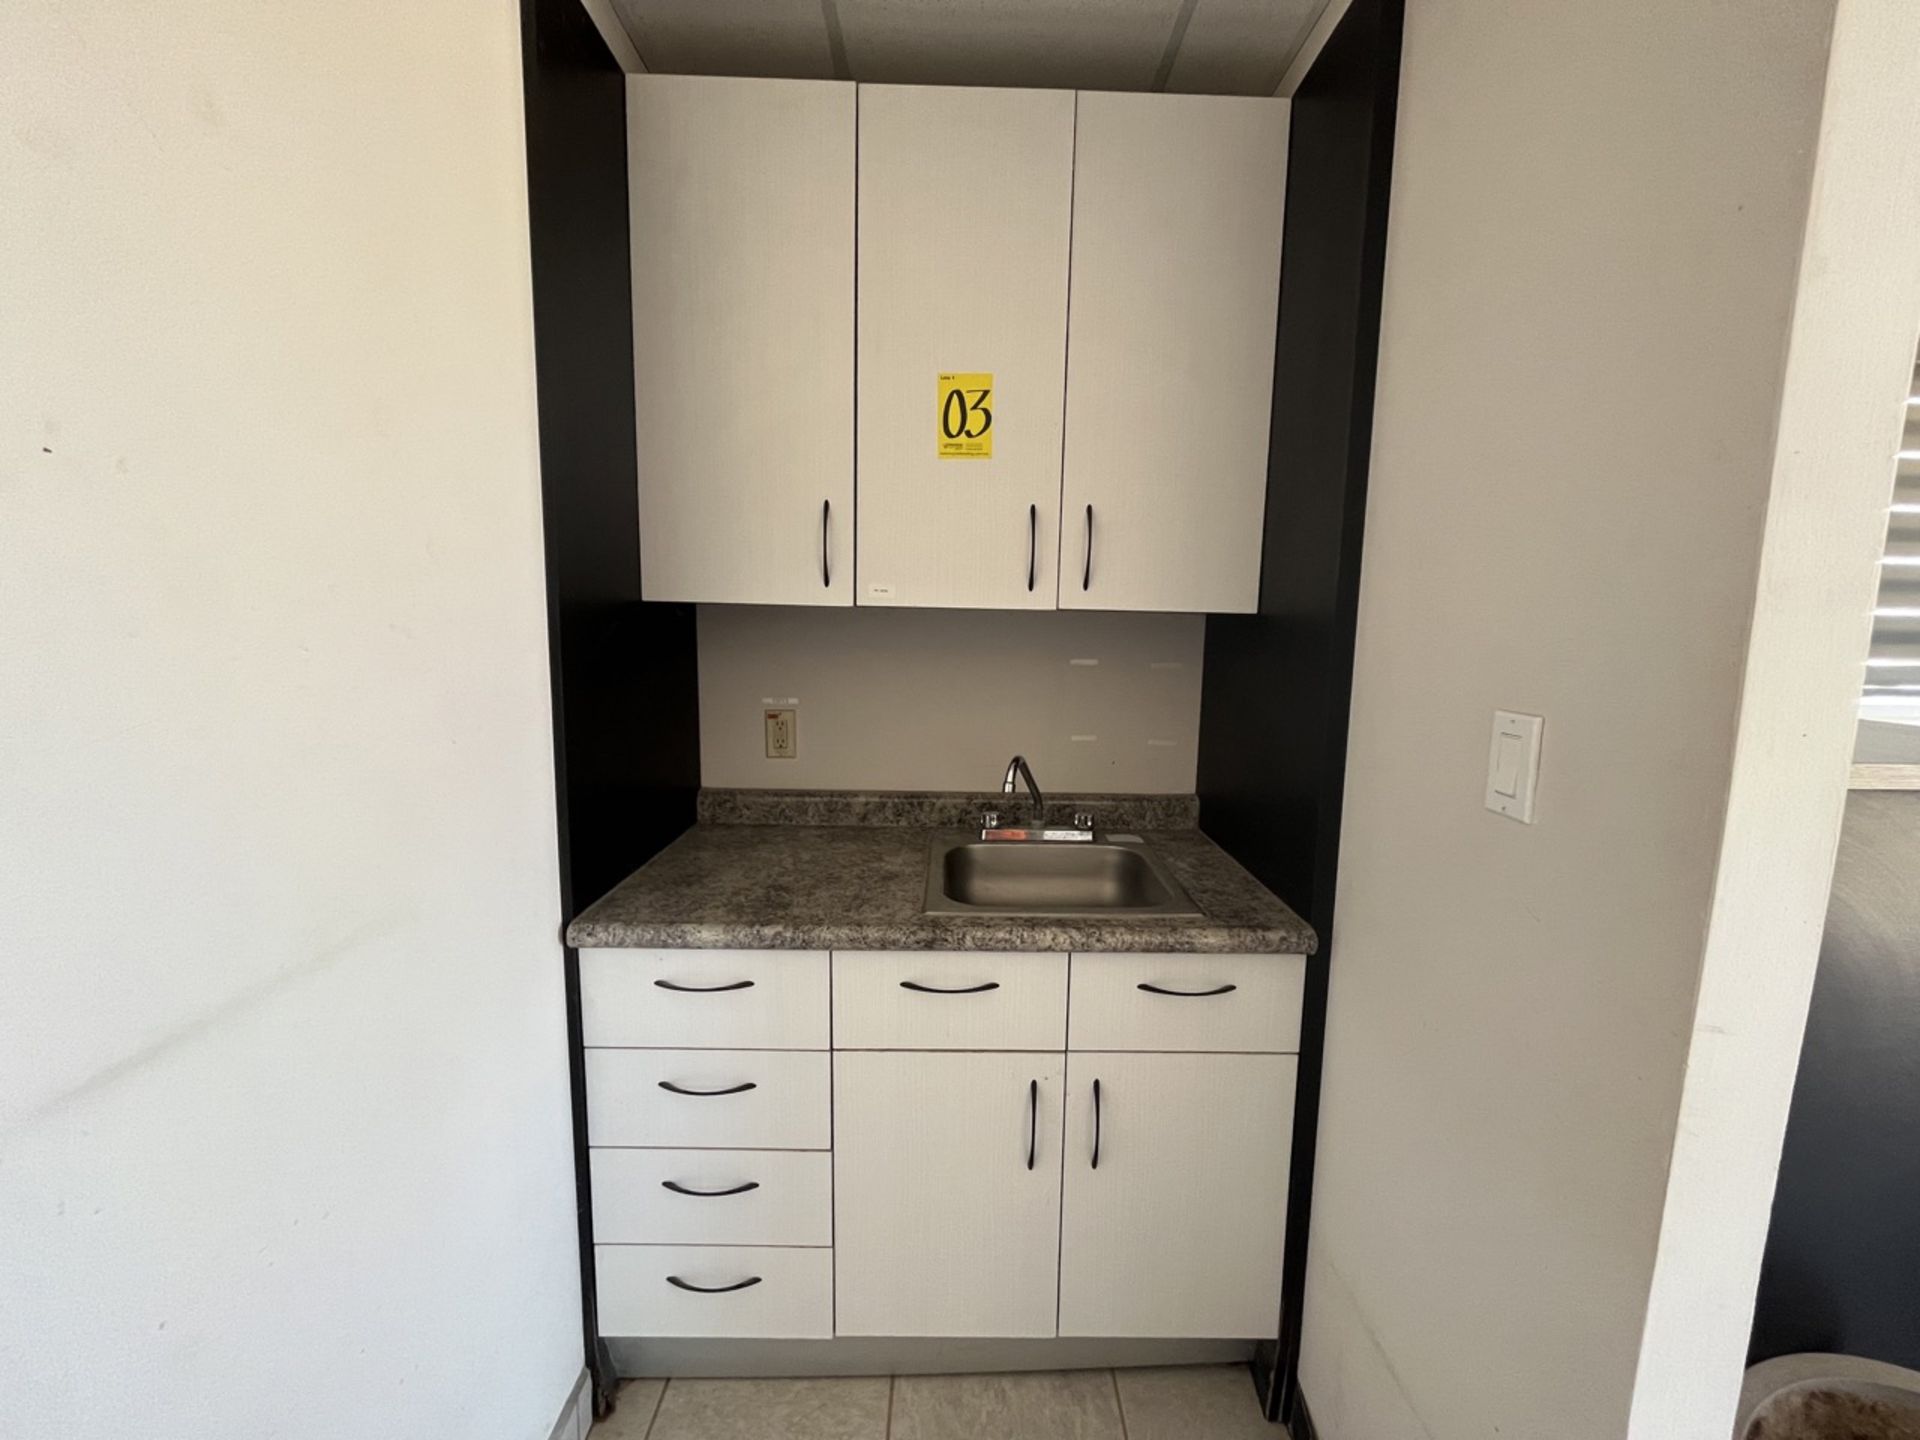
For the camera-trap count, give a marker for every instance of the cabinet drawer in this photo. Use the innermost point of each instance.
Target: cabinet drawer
(693, 999)
(1245, 1003)
(740, 1197)
(790, 1295)
(741, 1100)
(944, 1000)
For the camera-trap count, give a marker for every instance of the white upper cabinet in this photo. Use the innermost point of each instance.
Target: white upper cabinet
(1006, 459)
(742, 200)
(1177, 210)
(965, 202)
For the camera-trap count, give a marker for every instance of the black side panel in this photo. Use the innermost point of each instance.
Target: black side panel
(626, 703)
(626, 742)
(1842, 1268)
(1273, 719)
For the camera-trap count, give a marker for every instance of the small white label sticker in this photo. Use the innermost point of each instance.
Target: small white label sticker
(880, 592)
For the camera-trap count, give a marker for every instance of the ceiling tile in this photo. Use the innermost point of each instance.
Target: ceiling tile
(730, 37)
(1240, 47)
(1072, 44)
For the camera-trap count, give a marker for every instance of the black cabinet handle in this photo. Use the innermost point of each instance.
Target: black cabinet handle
(704, 989)
(1033, 1120)
(679, 1284)
(916, 986)
(1033, 542)
(1096, 1125)
(677, 1188)
(826, 531)
(1086, 572)
(741, 1088)
(1190, 994)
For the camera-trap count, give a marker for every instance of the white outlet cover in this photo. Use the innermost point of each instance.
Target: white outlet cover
(1513, 764)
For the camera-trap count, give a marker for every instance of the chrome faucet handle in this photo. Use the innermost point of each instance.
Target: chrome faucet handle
(990, 820)
(1083, 820)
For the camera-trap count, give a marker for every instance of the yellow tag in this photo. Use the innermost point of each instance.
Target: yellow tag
(964, 422)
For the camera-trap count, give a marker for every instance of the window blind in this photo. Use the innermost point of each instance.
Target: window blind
(1892, 688)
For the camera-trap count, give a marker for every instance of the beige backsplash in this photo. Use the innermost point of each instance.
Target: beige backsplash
(938, 699)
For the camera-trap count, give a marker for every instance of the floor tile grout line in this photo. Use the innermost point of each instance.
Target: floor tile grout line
(651, 1427)
(659, 1402)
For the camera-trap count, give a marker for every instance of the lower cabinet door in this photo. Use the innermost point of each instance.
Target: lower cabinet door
(1174, 1213)
(946, 1193)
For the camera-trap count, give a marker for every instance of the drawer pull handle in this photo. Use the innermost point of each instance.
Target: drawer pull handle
(679, 1284)
(918, 988)
(1033, 1120)
(677, 1188)
(741, 1088)
(1096, 1125)
(704, 989)
(1190, 994)
(826, 537)
(1086, 569)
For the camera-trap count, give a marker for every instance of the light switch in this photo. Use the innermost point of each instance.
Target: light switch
(1509, 754)
(1513, 764)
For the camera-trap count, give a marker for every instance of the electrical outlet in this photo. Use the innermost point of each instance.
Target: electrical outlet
(782, 739)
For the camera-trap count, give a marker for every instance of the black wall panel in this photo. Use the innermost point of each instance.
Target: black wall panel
(1273, 718)
(626, 717)
(626, 704)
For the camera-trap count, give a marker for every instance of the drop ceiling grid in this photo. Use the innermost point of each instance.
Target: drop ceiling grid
(1064, 44)
(730, 37)
(1240, 47)
(1228, 47)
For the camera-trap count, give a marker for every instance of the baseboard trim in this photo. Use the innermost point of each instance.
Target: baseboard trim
(576, 1414)
(635, 1359)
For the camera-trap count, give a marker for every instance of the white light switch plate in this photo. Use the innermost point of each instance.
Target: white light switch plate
(1513, 764)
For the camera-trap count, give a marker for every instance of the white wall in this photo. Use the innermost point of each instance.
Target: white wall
(940, 699)
(284, 1135)
(1841, 416)
(1558, 1056)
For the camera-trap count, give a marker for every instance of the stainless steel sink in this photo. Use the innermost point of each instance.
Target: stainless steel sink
(967, 876)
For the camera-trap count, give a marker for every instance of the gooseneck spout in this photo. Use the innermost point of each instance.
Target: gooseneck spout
(1017, 768)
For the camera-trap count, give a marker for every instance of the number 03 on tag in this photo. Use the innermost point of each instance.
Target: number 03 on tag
(965, 417)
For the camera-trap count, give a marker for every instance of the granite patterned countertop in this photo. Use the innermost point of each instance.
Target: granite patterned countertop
(858, 882)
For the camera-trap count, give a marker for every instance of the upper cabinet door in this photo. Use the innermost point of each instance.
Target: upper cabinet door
(965, 207)
(742, 223)
(1177, 207)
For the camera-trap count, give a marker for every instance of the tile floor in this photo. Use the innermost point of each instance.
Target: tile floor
(1197, 1402)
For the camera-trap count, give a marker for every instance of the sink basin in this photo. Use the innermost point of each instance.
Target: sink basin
(966, 876)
